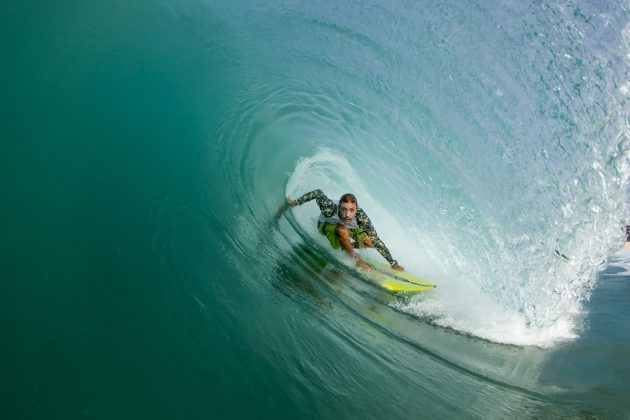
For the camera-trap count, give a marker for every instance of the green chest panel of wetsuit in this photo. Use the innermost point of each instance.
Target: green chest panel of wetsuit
(328, 229)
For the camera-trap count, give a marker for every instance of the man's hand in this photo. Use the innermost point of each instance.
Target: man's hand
(367, 242)
(292, 203)
(398, 267)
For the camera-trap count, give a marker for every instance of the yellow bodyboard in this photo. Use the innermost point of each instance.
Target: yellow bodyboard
(396, 281)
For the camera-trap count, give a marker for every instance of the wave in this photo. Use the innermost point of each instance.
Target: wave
(500, 174)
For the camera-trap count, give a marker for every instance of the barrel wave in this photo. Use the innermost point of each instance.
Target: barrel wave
(489, 146)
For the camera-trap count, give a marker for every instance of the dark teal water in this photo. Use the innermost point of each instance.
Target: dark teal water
(145, 151)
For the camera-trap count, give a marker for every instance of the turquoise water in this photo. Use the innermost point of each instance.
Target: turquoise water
(147, 147)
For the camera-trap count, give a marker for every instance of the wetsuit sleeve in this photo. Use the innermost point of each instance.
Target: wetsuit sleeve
(325, 204)
(364, 221)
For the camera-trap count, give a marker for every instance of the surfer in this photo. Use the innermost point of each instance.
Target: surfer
(344, 221)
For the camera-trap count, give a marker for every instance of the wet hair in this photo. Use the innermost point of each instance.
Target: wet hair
(348, 198)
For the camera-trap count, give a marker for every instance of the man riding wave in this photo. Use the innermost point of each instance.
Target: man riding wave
(340, 222)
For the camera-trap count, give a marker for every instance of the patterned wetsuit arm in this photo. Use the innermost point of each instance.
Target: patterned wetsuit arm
(364, 221)
(325, 204)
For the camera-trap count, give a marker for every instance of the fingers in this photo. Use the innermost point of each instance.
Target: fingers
(398, 267)
(292, 203)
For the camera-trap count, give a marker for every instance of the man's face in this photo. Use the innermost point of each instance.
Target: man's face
(347, 211)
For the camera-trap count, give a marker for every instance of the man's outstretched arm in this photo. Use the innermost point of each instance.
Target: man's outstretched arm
(325, 204)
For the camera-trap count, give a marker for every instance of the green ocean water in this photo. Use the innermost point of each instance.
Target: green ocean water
(146, 148)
